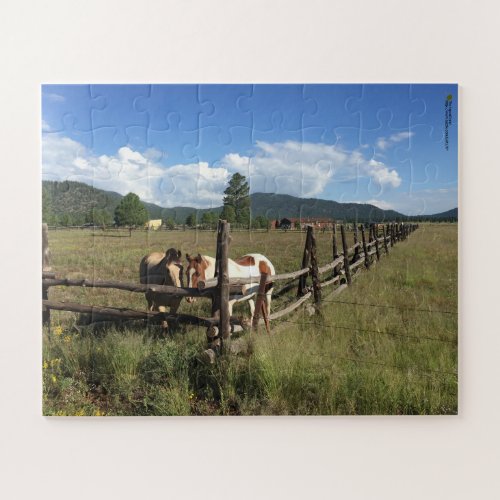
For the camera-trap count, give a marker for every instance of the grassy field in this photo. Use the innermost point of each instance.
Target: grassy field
(353, 359)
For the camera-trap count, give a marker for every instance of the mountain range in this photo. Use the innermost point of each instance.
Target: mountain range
(76, 199)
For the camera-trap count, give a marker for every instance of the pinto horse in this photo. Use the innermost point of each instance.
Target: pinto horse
(202, 268)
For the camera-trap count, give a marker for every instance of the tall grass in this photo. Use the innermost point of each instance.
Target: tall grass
(351, 359)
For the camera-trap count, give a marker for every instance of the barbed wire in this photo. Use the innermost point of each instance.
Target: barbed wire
(389, 306)
(367, 361)
(367, 330)
(398, 367)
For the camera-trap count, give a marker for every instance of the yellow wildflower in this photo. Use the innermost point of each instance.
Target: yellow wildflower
(58, 330)
(45, 365)
(54, 378)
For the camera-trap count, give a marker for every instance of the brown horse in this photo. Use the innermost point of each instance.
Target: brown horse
(162, 269)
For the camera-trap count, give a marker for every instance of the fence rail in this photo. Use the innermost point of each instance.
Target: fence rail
(220, 325)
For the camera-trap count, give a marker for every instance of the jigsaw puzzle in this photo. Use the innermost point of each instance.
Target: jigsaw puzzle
(270, 249)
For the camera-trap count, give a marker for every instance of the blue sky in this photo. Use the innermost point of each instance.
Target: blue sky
(179, 144)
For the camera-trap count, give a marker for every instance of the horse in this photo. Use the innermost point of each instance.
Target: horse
(202, 268)
(162, 269)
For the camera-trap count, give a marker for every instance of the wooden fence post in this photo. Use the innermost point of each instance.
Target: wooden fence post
(385, 239)
(365, 248)
(217, 249)
(335, 251)
(45, 267)
(377, 249)
(306, 258)
(347, 270)
(260, 304)
(225, 327)
(355, 257)
(316, 283)
(220, 299)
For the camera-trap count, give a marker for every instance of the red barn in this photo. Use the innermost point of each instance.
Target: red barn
(302, 222)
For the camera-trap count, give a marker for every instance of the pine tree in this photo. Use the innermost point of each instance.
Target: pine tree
(237, 197)
(228, 213)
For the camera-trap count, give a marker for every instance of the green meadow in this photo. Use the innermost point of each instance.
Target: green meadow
(355, 358)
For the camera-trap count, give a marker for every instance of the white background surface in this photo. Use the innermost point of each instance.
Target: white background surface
(258, 41)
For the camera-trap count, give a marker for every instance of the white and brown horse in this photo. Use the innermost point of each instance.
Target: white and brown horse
(202, 268)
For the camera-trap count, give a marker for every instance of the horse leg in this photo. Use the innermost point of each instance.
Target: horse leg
(164, 323)
(230, 307)
(251, 303)
(149, 300)
(269, 294)
(173, 310)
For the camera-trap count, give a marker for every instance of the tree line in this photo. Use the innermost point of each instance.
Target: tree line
(131, 212)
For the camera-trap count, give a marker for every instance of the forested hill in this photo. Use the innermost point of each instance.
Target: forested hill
(71, 203)
(275, 206)
(448, 216)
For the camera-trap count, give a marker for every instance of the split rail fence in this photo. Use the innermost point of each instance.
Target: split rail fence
(370, 243)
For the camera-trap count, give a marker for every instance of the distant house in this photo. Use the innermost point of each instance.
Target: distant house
(302, 222)
(285, 223)
(153, 225)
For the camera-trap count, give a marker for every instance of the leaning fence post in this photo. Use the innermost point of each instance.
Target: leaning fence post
(314, 271)
(306, 257)
(260, 304)
(347, 269)
(365, 249)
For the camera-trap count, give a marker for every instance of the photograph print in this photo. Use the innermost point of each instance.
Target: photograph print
(249, 249)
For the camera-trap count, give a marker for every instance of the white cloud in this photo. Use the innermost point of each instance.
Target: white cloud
(305, 169)
(384, 205)
(54, 97)
(428, 201)
(383, 143)
(422, 202)
(194, 184)
(300, 169)
(401, 136)
(45, 126)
